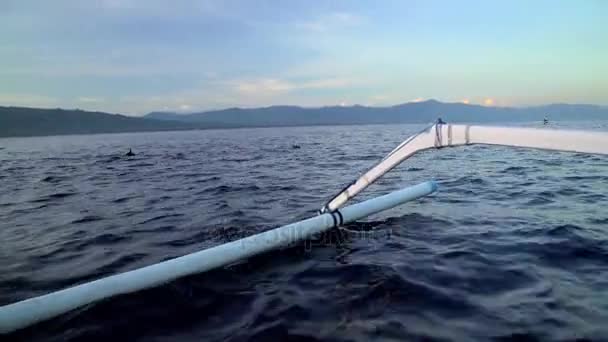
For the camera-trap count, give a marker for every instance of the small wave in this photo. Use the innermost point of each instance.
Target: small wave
(160, 229)
(565, 244)
(53, 197)
(197, 238)
(463, 192)
(124, 199)
(281, 188)
(456, 254)
(357, 158)
(78, 243)
(141, 165)
(411, 221)
(540, 200)
(160, 217)
(52, 179)
(566, 231)
(236, 160)
(476, 221)
(19, 169)
(569, 191)
(61, 195)
(223, 189)
(106, 160)
(547, 194)
(24, 211)
(549, 162)
(593, 198)
(48, 256)
(208, 179)
(364, 226)
(598, 220)
(121, 262)
(157, 200)
(107, 239)
(518, 170)
(586, 178)
(466, 180)
(454, 200)
(222, 234)
(400, 292)
(564, 252)
(67, 168)
(88, 218)
(7, 204)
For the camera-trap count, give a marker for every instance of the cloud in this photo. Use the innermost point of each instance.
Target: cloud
(117, 4)
(255, 92)
(28, 100)
(272, 86)
(329, 83)
(232, 11)
(332, 21)
(101, 67)
(86, 99)
(380, 98)
(203, 97)
(263, 86)
(144, 7)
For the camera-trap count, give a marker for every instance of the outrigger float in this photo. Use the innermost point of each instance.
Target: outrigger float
(440, 135)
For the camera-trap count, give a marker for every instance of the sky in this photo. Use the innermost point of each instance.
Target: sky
(138, 56)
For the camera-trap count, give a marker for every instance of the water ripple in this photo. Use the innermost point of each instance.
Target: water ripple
(512, 247)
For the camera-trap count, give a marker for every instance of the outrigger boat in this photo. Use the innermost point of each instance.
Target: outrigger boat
(437, 136)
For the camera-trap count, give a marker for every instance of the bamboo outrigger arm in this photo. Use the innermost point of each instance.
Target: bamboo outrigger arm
(442, 135)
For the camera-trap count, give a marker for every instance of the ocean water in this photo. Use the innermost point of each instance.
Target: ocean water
(513, 246)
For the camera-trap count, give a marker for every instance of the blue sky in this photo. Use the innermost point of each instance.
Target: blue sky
(136, 56)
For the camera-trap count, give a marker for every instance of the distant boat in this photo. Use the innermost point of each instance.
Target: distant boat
(545, 121)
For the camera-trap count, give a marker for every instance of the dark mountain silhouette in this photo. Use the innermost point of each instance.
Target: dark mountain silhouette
(19, 121)
(413, 112)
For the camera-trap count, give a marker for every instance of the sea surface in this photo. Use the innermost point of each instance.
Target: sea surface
(513, 245)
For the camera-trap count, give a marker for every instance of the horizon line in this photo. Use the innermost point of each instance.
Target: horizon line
(181, 112)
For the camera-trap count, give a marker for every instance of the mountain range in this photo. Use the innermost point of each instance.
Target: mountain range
(412, 112)
(21, 121)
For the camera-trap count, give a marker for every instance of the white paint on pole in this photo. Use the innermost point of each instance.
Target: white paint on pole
(447, 135)
(22, 314)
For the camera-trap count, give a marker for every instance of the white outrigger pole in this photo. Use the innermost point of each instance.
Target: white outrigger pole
(22, 314)
(442, 135)
(30, 311)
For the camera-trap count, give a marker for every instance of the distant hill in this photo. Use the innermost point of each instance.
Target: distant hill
(19, 121)
(413, 112)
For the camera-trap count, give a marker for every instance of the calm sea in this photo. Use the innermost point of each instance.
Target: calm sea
(513, 246)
